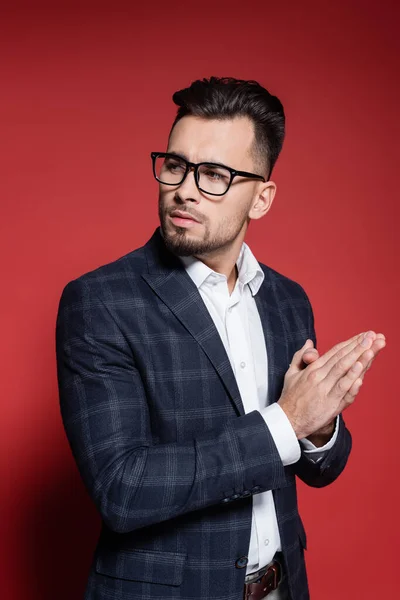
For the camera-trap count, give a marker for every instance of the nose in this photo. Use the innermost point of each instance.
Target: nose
(188, 189)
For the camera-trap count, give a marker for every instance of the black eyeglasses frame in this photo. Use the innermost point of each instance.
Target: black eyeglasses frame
(195, 166)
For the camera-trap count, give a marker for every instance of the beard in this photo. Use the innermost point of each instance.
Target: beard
(181, 242)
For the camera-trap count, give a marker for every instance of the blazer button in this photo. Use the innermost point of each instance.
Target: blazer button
(235, 496)
(256, 489)
(246, 493)
(241, 562)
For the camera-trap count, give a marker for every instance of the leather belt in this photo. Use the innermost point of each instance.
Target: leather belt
(264, 581)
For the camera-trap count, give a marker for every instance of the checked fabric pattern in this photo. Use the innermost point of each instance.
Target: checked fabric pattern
(156, 425)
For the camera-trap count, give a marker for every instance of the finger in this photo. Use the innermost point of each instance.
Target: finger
(342, 347)
(369, 355)
(310, 355)
(297, 359)
(362, 376)
(359, 367)
(344, 384)
(350, 396)
(378, 345)
(367, 358)
(366, 368)
(338, 365)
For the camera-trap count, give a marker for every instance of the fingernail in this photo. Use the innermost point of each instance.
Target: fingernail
(366, 341)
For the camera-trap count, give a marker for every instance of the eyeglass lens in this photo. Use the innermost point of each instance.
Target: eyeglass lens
(212, 178)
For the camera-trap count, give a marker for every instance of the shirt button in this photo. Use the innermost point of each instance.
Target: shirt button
(242, 364)
(266, 542)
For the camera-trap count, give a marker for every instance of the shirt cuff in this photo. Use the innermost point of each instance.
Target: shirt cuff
(282, 433)
(310, 448)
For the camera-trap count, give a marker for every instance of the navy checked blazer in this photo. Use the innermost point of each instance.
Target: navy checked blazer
(156, 425)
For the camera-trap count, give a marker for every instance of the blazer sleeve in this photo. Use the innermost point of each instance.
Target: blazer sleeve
(133, 481)
(326, 470)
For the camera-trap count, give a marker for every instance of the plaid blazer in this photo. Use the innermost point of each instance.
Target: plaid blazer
(156, 425)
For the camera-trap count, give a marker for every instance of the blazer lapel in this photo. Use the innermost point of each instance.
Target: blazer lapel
(169, 280)
(274, 334)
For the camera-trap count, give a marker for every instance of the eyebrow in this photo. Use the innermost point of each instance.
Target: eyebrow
(183, 155)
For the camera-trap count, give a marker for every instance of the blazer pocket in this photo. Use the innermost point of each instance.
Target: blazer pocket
(151, 566)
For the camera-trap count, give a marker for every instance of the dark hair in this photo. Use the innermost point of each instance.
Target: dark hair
(226, 97)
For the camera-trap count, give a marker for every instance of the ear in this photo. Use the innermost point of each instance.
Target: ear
(263, 200)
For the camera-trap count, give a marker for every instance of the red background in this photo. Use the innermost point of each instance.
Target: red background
(85, 96)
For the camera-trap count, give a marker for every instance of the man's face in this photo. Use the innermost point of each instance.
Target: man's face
(220, 219)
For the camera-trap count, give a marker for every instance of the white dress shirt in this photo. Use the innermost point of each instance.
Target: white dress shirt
(238, 323)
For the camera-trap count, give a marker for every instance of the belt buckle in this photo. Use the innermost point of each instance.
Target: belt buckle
(256, 576)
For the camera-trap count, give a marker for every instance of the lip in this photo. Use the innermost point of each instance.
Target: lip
(180, 222)
(183, 215)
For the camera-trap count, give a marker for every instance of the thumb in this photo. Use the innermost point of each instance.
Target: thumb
(297, 360)
(310, 355)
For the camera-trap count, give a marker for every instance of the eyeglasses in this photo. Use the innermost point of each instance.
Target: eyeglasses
(210, 178)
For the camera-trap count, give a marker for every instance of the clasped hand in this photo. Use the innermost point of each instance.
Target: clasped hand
(317, 388)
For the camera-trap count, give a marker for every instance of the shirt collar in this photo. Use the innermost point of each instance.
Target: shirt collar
(249, 270)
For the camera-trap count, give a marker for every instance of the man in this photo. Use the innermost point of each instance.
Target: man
(191, 390)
